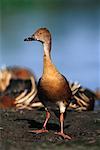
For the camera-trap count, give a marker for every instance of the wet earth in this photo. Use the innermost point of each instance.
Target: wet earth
(15, 126)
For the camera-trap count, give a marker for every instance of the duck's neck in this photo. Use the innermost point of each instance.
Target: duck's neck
(49, 68)
(47, 63)
(47, 50)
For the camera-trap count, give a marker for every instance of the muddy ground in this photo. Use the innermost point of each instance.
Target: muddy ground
(83, 127)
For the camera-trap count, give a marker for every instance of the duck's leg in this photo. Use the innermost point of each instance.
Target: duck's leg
(44, 125)
(61, 133)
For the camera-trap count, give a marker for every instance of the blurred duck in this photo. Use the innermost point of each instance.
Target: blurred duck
(83, 98)
(53, 87)
(18, 89)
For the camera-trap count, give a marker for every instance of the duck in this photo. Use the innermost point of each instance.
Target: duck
(18, 89)
(53, 88)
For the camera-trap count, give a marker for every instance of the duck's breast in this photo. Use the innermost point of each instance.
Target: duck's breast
(54, 89)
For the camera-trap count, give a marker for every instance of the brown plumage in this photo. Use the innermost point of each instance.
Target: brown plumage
(53, 88)
(7, 102)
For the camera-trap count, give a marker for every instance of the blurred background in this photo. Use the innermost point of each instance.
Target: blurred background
(75, 28)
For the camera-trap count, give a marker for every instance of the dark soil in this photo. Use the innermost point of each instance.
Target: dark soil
(83, 127)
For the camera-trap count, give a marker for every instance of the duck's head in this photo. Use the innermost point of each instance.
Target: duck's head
(42, 34)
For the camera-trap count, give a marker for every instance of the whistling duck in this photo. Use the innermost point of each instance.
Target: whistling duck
(53, 87)
(18, 89)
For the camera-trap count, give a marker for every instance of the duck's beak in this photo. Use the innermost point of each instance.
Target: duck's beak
(30, 38)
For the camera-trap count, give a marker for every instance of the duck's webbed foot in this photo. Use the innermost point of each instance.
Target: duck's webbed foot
(39, 131)
(65, 136)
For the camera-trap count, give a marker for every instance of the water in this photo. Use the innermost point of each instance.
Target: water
(75, 28)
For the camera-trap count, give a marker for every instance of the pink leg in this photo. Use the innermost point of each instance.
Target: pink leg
(44, 125)
(47, 118)
(61, 133)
